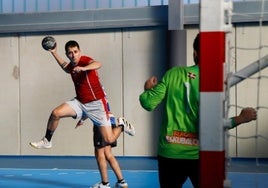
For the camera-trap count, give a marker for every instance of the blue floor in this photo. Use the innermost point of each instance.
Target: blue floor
(55, 178)
(80, 172)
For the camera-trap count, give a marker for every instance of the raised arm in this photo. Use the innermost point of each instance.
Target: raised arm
(61, 62)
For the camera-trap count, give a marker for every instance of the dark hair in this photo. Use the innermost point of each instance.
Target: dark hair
(196, 43)
(196, 48)
(71, 43)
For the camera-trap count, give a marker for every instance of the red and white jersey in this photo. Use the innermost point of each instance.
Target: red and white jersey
(87, 83)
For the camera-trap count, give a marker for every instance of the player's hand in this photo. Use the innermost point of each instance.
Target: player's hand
(78, 69)
(79, 123)
(54, 50)
(248, 114)
(150, 83)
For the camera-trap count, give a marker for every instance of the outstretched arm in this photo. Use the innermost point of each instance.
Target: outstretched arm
(246, 115)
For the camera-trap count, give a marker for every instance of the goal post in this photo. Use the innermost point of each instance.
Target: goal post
(212, 58)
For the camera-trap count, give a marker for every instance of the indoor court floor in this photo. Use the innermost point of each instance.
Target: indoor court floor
(81, 172)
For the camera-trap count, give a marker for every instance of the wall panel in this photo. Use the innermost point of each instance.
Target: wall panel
(9, 96)
(144, 55)
(33, 84)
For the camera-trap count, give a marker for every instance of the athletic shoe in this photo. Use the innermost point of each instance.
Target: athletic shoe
(122, 184)
(100, 185)
(42, 144)
(129, 129)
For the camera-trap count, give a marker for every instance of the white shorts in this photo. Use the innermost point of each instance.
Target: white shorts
(96, 111)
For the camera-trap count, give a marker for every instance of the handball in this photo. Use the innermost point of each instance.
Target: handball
(49, 43)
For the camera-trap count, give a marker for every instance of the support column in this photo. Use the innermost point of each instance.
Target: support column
(176, 49)
(212, 59)
(176, 36)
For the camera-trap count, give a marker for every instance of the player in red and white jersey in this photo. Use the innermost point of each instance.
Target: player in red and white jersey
(90, 100)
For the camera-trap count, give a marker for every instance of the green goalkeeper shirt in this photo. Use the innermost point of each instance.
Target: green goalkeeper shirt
(179, 90)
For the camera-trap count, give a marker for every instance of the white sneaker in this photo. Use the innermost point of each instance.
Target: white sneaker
(100, 185)
(129, 129)
(122, 184)
(42, 144)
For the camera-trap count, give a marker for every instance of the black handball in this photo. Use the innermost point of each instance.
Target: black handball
(49, 43)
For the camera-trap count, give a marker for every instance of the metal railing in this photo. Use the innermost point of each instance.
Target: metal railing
(33, 6)
(36, 6)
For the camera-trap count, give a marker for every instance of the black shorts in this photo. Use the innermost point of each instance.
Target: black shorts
(98, 139)
(181, 170)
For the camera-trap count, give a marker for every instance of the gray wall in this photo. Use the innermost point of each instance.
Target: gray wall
(33, 84)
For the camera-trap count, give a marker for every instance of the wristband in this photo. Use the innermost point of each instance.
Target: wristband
(229, 123)
(233, 122)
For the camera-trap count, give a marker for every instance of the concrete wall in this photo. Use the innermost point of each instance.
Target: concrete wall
(33, 84)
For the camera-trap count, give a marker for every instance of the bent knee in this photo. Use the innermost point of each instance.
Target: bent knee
(109, 140)
(56, 114)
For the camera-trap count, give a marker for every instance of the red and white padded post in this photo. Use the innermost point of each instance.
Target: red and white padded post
(212, 59)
